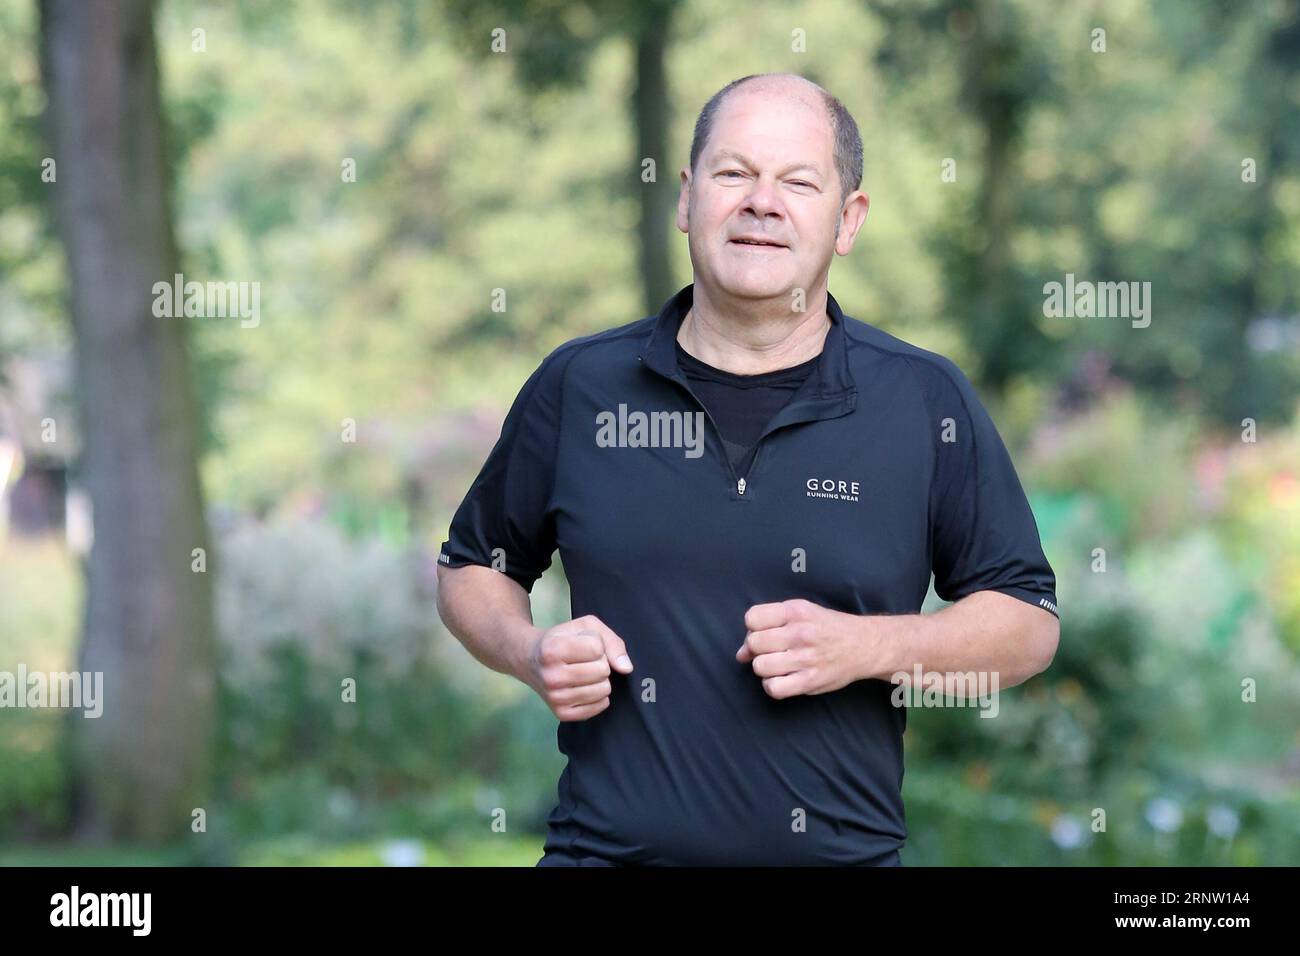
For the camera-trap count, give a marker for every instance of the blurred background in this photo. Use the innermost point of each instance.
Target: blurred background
(235, 518)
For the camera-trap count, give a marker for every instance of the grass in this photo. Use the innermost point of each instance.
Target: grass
(40, 607)
(296, 851)
(40, 604)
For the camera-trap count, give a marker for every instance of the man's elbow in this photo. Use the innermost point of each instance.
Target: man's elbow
(442, 592)
(1046, 639)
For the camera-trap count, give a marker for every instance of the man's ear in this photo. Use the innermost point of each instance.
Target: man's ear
(684, 202)
(852, 215)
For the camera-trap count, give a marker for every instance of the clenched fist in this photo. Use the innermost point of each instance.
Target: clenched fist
(798, 647)
(569, 666)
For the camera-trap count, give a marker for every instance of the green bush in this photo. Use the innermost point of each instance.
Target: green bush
(431, 735)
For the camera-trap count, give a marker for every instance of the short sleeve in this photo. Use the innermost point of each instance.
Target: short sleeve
(505, 520)
(983, 533)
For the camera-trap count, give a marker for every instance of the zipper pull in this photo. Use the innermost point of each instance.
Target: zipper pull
(740, 486)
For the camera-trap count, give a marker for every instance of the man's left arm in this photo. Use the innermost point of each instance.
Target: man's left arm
(798, 647)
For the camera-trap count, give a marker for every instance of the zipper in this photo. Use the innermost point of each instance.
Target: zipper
(737, 481)
(741, 481)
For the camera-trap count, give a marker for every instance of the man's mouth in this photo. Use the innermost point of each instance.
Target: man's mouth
(757, 242)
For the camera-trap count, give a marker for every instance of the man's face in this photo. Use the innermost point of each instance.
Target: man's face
(762, 205)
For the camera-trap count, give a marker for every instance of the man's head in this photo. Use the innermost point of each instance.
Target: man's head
(775, 158)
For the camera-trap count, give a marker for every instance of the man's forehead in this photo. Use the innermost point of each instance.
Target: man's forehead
(753, 124)
(775, 96)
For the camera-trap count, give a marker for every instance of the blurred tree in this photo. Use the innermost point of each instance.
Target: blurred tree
(1002, 78)
(554, 42)
(1249, 385)
(146, 762)
(31, 281)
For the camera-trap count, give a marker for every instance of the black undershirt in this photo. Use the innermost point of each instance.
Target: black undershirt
(742, 405)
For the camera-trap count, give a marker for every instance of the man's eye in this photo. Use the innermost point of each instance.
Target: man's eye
(730, 172)
(800, 182)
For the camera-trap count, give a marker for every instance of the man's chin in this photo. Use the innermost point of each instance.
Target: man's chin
(755, 285)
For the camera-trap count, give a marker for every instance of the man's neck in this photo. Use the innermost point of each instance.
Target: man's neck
(763, 337)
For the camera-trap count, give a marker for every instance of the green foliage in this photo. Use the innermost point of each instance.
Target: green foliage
(954, 824)
(304, 609)
(31, 265)
(1145, 700)
(39, 590)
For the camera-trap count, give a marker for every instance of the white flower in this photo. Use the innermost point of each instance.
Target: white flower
(1068, 833)
(403, 853)
(1164, 814)
(1222, 821)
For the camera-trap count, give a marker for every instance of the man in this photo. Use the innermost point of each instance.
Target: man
(749, 493)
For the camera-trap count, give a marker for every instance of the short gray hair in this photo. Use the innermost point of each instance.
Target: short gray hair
(848, 142)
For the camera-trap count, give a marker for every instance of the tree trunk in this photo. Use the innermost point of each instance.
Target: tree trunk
(659, 198)
(145, 764)
(992, 75)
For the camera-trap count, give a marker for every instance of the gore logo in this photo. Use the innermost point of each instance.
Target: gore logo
(832, 488)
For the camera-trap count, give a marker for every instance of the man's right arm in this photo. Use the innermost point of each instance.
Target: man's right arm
(506, 521)
(490, 614)
(568, 665)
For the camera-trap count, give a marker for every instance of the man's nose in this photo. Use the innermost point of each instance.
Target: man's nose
(763, 200)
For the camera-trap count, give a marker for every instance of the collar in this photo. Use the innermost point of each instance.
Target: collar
(831, 387)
